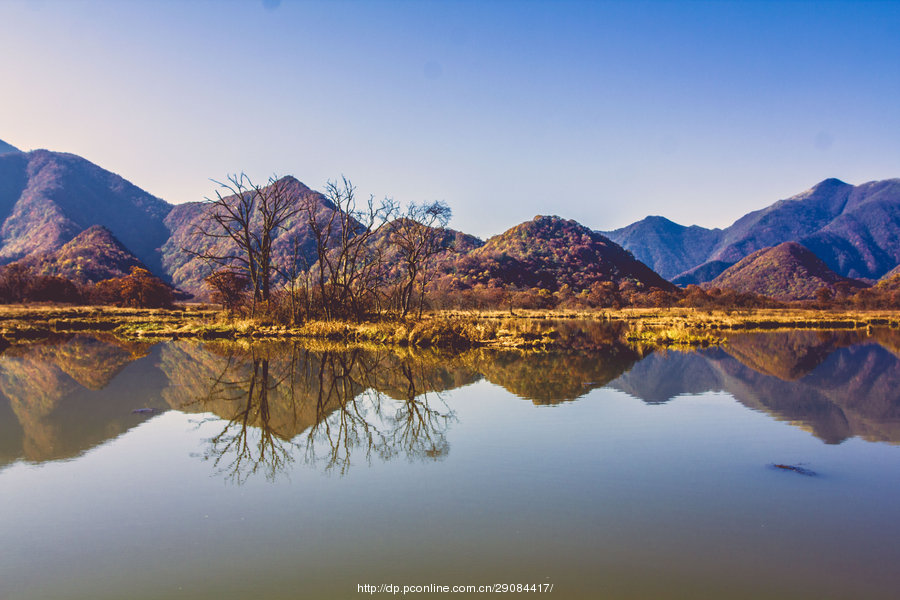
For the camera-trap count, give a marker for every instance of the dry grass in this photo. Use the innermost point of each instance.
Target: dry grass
(30, 321)
(679, 334)
(712, 319)
(446, 329)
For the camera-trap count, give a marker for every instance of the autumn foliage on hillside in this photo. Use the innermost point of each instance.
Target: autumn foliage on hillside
(93, 255)
(548, 262)
(549, 253)
(788, 271)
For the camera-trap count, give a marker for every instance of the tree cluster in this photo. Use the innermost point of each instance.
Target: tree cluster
(878, 297)
(18, 283)
(348, 259)
(139, 289)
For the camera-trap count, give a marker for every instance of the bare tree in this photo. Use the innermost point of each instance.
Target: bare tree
(241, 227)
(348, 265)
(417, 237)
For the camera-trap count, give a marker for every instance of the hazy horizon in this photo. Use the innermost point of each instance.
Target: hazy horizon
(603, 112)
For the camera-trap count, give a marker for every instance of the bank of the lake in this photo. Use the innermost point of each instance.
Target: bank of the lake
(528, 329)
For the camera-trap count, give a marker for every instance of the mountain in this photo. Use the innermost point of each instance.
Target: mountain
(669, 248)
(48, 198)
(787, 271)
(91, 256)
(855, 230)
(549, 252)
(702, 273)
(7, 148)
(184, 221)
(890, 280)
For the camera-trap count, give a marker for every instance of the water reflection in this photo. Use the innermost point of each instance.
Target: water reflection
(280, 401)
(63, 396)
(837, 385)
(404, 415)
(250, 439)
(332, 407)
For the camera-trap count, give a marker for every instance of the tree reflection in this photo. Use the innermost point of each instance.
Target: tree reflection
(325, 407)
(249, 442)
(346, 413)
(370, 422)
(419, 426)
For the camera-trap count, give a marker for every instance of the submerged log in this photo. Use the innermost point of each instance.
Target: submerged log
(796, 469)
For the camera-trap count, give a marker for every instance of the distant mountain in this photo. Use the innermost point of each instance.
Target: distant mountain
(702, 273)
(549, 252)
(91, 256)
(7, 148)
(48, 198)
(787, 271)
(667, 247)
(854, 229)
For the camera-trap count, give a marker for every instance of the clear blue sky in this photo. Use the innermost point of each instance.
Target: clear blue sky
(603, 112)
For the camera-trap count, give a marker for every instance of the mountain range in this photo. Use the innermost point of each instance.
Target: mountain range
(48, 198)
(855, 230)
(67, 216)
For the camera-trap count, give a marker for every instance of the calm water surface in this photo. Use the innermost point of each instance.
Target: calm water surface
(277, 471)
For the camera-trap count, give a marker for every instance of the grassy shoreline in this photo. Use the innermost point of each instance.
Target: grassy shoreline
(451, 329)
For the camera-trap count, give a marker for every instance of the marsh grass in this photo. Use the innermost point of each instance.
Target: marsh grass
(524, 329)
(678, 335)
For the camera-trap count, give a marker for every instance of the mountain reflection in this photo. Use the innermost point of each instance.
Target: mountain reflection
(837, 385)
(61, 397)
(275, 404)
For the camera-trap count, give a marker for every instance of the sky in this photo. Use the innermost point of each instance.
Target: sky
(603, 112)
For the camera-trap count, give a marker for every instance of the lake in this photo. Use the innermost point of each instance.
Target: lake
(220, 470)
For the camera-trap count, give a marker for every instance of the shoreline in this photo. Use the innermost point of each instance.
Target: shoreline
(525, 329)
